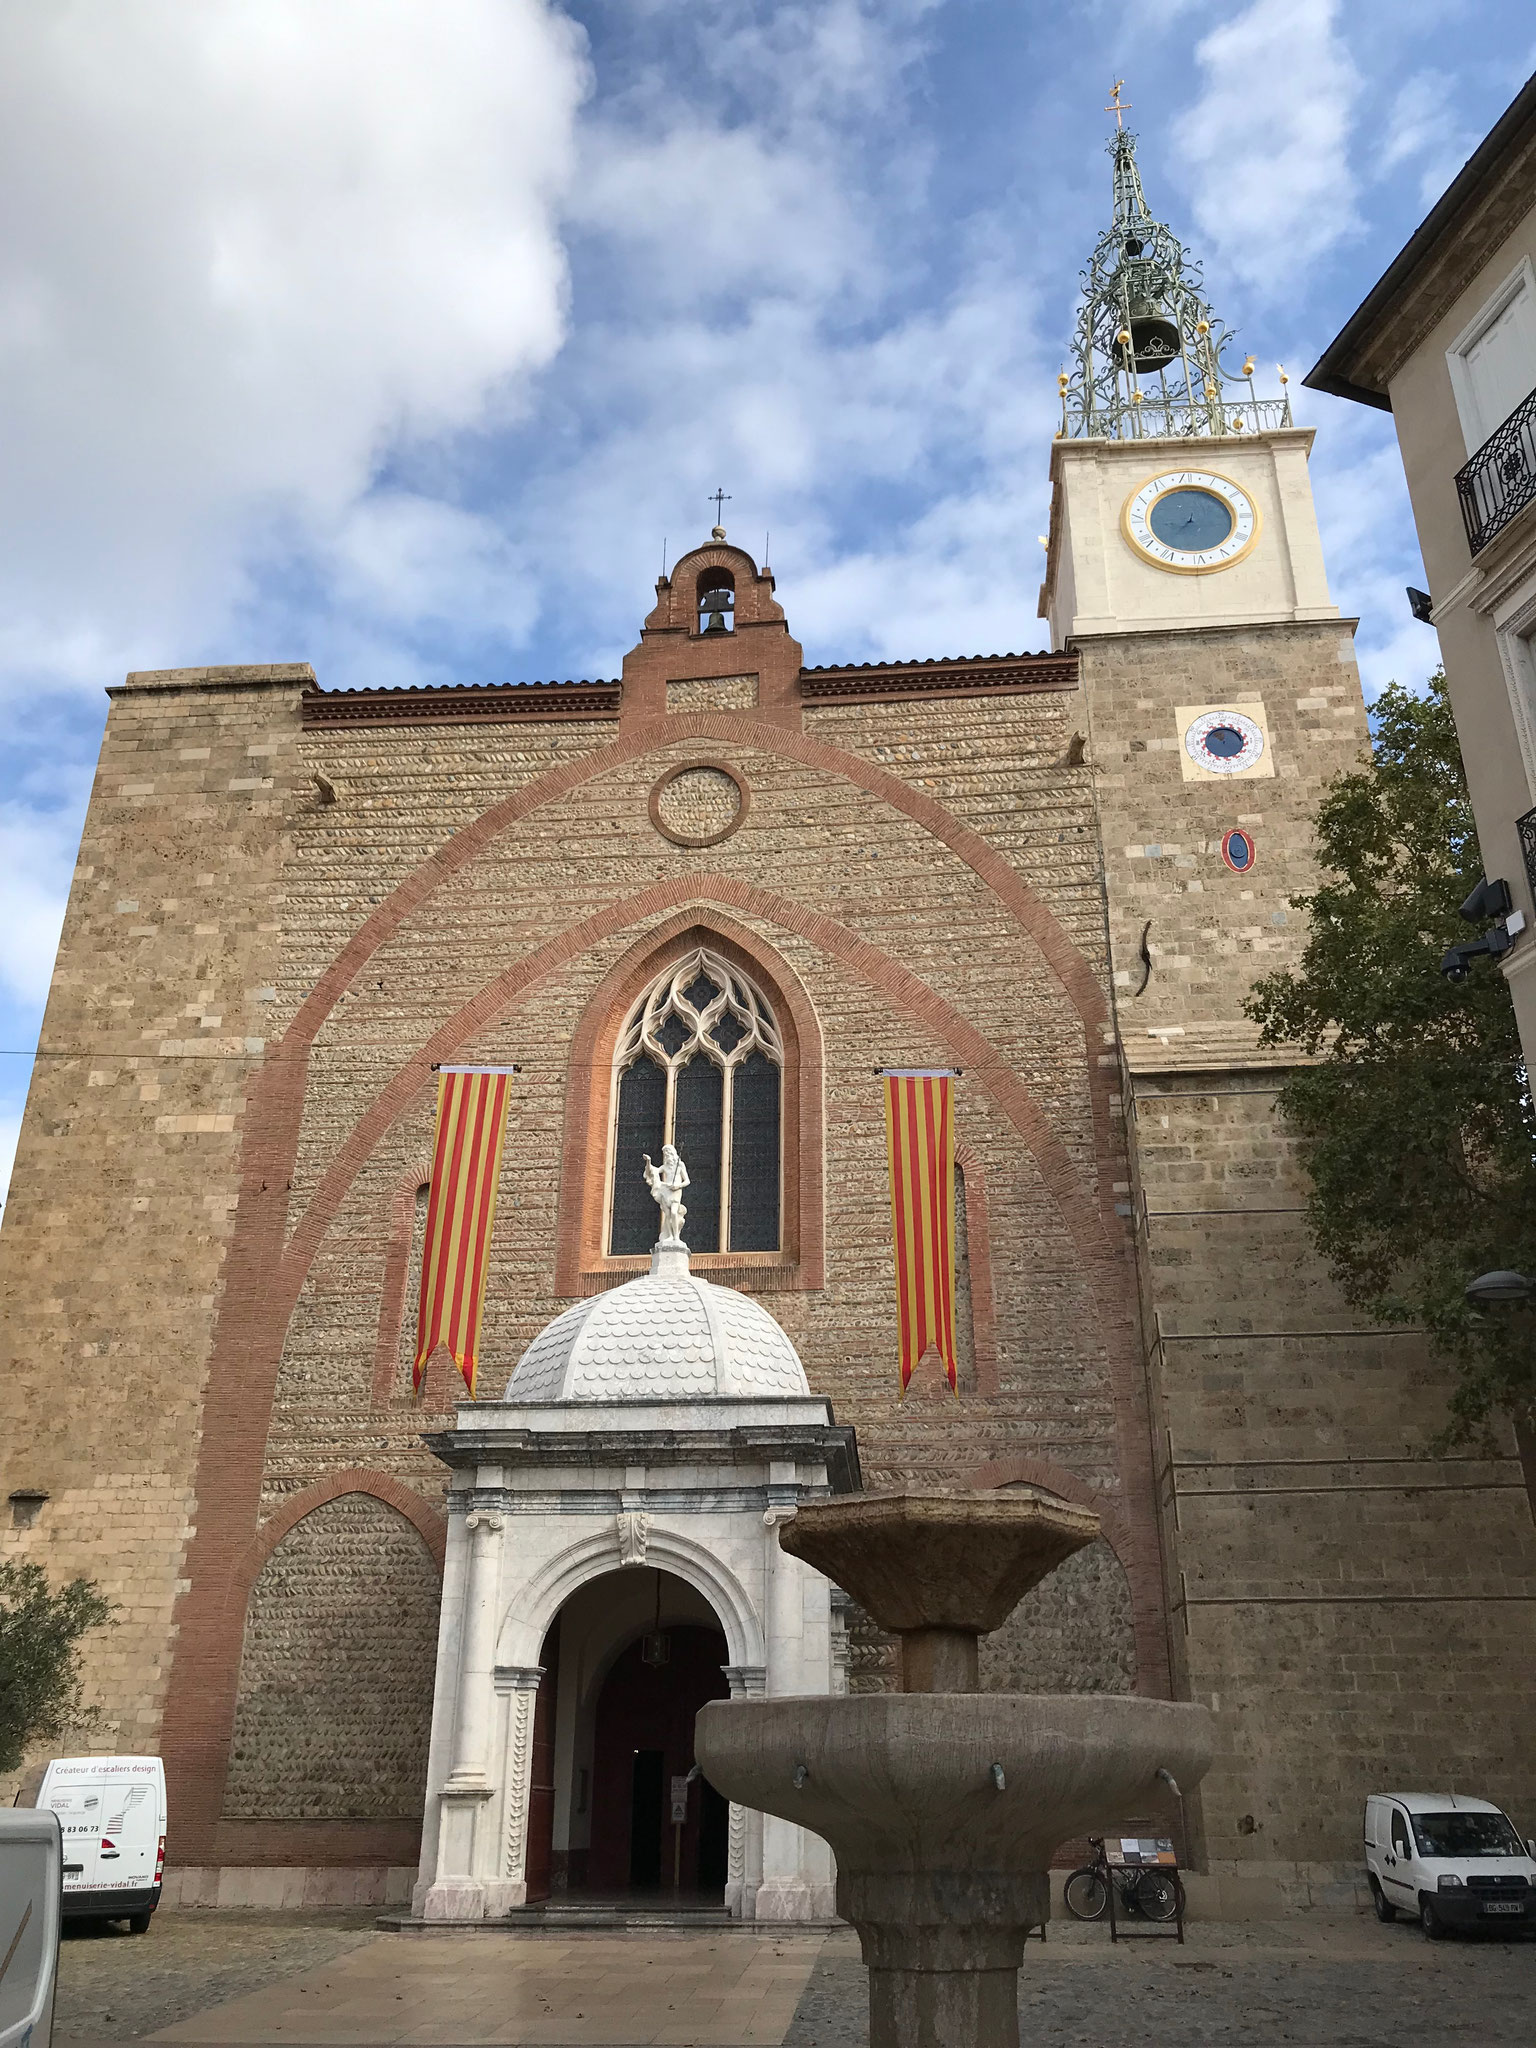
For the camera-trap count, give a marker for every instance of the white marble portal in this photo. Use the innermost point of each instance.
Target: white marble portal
(666, 1423)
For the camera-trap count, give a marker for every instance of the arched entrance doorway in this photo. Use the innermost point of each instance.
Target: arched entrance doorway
(615, 1804)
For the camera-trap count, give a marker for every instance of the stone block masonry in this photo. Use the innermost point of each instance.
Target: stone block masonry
(127, 1175)
(289, 907)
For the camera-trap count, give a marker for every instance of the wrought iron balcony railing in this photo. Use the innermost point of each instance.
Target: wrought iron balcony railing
(1149, 417)
(1526, 827)
(1500, 479)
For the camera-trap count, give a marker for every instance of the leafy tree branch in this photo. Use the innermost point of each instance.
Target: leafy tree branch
(1416, 1125)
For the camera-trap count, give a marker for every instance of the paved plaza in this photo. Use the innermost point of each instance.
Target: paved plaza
(282, 1980)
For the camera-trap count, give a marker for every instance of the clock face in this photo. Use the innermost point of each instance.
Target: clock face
(1224, 742)
(1190, 521)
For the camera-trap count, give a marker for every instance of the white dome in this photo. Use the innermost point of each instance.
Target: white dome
(664, 1337)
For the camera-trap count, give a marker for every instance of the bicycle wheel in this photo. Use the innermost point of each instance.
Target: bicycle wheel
(1086, 1894)
(1158, 1893)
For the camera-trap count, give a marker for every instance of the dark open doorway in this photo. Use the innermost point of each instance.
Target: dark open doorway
(654, 1826)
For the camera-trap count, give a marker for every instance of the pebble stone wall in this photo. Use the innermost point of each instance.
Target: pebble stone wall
(336, 1678)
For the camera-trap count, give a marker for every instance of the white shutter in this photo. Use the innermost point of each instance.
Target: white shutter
(1493, 359)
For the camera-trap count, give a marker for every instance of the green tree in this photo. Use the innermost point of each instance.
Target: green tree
(40, 1686)
(1416, 1125)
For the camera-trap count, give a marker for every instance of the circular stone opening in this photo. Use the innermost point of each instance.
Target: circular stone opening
(698, 805)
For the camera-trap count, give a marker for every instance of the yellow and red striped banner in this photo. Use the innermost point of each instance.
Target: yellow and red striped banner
(920, 1145)
(466, 1166)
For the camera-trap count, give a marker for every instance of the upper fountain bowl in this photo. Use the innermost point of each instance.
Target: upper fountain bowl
(917, 1559)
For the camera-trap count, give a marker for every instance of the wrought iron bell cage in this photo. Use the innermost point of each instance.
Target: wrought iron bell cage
(1148, 351)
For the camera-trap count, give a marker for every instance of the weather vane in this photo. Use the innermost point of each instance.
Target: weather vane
(1116, 107)
(721, 498)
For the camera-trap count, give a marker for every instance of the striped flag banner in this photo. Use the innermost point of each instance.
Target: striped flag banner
(920, 1145)
(466, 1167)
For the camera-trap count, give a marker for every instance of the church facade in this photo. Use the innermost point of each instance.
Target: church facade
(704, 904)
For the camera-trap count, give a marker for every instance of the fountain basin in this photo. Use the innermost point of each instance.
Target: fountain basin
(905, 1781)
(943, 1810)
(939, 1569)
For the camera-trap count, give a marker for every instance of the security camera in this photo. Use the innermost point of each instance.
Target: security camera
(1488, 899)
(1456, 963)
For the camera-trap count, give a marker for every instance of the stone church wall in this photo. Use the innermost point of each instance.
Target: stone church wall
(127, 1173)
(335, 1695)
(1363, 1615)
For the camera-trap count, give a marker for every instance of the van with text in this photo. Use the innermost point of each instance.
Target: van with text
(111, 1813)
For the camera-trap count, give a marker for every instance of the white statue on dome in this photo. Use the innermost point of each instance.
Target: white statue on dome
(666, 1183)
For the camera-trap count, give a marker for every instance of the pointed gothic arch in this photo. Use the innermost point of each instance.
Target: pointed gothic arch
(583, 1262)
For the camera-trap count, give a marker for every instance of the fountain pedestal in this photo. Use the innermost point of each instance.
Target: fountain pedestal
(944, 1806)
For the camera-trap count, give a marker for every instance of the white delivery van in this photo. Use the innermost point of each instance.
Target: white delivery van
(1451, 1861)
(111, 1813)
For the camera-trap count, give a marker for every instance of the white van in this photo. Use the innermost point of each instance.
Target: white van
(1450, 1860)
(111, 1813)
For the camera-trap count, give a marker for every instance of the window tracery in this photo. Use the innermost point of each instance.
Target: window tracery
(699, 1064)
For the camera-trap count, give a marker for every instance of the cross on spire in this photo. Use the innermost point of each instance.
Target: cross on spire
(1118, 107)
(721, 499)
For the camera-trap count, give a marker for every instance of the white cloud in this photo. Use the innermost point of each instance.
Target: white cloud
(37, 856)
(1424, 133)
(10, 1131)
(1266, 144)
(248, 249)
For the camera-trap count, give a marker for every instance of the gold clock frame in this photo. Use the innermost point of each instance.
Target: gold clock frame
(1182, 568)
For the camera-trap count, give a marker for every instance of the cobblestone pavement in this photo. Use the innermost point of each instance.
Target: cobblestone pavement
(114, 1985)
(1348, 1984)
(1336, 1983)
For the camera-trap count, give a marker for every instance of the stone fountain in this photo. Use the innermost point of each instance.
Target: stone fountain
(944, 1804)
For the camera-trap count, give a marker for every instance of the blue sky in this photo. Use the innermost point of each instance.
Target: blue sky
(399, 335)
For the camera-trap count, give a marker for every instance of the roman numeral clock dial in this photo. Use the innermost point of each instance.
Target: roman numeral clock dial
(1190, 521)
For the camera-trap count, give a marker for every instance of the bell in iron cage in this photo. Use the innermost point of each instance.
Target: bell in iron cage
(717, 603)
(1154, 342)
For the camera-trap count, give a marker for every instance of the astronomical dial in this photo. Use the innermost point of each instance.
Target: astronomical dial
(1190, 521)
(1224, 742)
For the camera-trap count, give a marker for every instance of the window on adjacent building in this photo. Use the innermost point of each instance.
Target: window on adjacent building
(1493, 360)
(699, 1065)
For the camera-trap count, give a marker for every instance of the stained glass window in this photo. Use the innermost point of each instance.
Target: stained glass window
(755, 1155)
(641, 1124)
(699, 1065)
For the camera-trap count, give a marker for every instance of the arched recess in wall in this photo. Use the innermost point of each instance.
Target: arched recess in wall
(394, 1342)
(583, 1263)
(334, 1703)
(977, 1297)
(1077, 1631)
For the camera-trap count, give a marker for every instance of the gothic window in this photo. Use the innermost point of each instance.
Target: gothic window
(699, 1065)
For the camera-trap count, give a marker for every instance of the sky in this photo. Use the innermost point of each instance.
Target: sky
(402, 336)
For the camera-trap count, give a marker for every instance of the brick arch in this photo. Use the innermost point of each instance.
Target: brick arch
(579, 1257)
(401, 1225)
(978, 1232)
(277, 1098)
(428, 1522)
(1058, 1480)
(1141, 1560)
(1081, 1214)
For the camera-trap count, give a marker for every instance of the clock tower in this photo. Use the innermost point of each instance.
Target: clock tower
(1220, 696)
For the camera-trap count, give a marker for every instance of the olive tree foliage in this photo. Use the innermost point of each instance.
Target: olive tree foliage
(1416, 1124)
(40, 1631)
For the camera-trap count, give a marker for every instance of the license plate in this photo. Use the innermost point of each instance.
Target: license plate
(1504, 1906)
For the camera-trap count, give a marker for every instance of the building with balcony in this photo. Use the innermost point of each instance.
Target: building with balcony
(1446, 341)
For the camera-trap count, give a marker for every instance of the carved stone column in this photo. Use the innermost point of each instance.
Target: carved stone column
(520, 1685)
(744, 1840)
(465, 1857)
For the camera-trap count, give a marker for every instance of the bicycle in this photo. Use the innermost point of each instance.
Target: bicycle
(1154, 1892)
